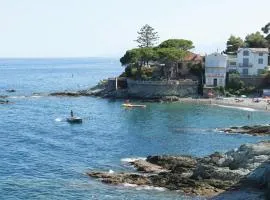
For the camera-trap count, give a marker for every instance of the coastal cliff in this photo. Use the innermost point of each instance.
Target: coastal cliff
(239, 169)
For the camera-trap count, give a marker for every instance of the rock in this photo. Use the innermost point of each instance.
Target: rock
(71, 94)
(252, 130)
(170, 98)
(204, 171)
(247, 166)
(173, 162)
(144, 166)
(10, 90)
(120, 178)
(2, 101)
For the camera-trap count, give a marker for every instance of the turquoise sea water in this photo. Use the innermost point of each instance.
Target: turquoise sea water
(43, 157)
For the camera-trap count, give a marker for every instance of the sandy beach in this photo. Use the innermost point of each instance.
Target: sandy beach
(245, 103)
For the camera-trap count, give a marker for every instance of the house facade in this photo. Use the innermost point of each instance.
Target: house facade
(252, 61)
(215, 70)
(181, 69)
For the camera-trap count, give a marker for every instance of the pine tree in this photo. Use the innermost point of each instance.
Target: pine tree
(147, 36)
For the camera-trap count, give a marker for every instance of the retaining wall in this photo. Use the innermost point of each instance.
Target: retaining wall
(155, 89)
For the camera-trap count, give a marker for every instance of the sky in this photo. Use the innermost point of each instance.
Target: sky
(107, 28)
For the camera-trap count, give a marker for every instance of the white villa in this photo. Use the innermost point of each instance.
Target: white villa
(249, 61)
(215, 70)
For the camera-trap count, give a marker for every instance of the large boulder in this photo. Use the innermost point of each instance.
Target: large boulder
(173, 162)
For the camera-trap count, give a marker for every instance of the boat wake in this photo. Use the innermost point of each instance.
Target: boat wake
(59, 119)
(239, 108)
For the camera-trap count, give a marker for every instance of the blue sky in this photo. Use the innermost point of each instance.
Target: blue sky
(91, 28)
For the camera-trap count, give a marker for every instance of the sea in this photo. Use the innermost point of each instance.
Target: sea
(44, 157)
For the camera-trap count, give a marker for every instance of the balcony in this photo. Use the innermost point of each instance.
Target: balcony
(242, 65)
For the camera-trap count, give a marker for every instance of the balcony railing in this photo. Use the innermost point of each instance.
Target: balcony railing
(245, 65)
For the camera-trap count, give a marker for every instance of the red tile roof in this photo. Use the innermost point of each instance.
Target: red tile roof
(192, 57)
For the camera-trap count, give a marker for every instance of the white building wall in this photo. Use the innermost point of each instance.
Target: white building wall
(215, 69)
(253, 61)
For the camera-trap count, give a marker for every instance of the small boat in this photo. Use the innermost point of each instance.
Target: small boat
(129, 105)
(74, 120)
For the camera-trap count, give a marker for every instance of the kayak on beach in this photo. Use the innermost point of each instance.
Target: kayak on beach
(133, 105)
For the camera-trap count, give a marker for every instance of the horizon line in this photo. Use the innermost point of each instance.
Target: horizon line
(61, 57)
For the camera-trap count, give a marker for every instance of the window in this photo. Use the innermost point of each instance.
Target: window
(215, 82)
(245, 62)
(232, 63)
(260, 61)
(220, 82)
(245, 71)
(246, 53)
(260, 54)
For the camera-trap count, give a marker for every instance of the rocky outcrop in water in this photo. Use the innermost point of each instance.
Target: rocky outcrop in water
(247, 166)
(100, 90)
(252, 130)
(4, 101)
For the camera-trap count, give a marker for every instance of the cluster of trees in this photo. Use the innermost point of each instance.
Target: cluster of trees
(169, 52)
(253, 40)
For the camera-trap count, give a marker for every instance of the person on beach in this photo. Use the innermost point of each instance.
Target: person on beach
(71, 113)
(248, 116)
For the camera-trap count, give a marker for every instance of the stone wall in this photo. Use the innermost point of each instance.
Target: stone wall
(112, 85)
(156, 89)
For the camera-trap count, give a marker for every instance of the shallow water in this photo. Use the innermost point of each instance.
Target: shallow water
(43, 157)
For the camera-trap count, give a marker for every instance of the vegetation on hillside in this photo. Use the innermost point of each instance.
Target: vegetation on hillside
(253, 40)
(167, 53)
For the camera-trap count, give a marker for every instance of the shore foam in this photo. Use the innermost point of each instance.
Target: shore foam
(237, 107)
(143, 187)
(128, 160)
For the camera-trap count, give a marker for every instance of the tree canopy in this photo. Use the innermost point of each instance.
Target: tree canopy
(147, 36)
(131, 56)
(233, 44)
(266, 28)
(181, 44)
(171, 54)
(256, 40)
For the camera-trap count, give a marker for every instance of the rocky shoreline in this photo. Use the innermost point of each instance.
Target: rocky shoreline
(101, 90)
(256, 130)
(246, 167)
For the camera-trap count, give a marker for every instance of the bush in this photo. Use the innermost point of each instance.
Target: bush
(220, 90)
(234, 82)
(147, 71)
